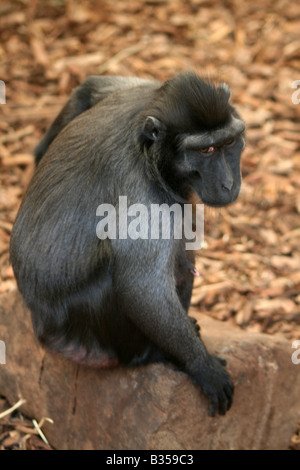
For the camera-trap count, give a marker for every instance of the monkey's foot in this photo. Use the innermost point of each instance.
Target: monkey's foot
(216, 385)
(150, 356)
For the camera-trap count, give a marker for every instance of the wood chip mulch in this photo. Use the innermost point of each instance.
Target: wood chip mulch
(249, 267)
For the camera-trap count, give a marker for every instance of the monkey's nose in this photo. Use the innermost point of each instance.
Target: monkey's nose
(227, 183)
(227, 186)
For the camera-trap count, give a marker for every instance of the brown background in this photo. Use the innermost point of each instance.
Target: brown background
(250, 265)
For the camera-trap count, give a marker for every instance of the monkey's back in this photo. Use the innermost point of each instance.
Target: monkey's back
(54, 235)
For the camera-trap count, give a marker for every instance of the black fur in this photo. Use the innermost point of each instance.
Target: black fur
(103, 302)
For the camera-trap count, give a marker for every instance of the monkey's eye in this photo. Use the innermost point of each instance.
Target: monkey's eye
(229, 142)
(207, 150)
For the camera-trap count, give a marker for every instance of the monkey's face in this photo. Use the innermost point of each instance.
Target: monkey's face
(195, 137)
(210, 162)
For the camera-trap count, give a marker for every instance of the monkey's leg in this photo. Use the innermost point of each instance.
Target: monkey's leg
(74, 329)
(83, 350)
(97, 359)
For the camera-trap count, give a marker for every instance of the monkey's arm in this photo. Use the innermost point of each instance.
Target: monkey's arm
(93, 90)
(151, 302)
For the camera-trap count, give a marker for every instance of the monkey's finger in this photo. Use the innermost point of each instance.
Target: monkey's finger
(223, 403)
(229, 389)
(213, 405)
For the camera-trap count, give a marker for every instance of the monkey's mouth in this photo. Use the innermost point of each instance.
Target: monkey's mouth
(215, 204)
(219, 204)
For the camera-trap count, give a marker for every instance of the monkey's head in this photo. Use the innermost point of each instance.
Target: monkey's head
(195, 137)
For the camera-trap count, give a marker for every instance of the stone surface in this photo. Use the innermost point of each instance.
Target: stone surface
(152, 407)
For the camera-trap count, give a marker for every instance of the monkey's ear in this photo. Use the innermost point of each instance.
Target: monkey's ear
(153, 128)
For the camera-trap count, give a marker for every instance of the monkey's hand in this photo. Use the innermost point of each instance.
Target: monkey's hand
(216, 384)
